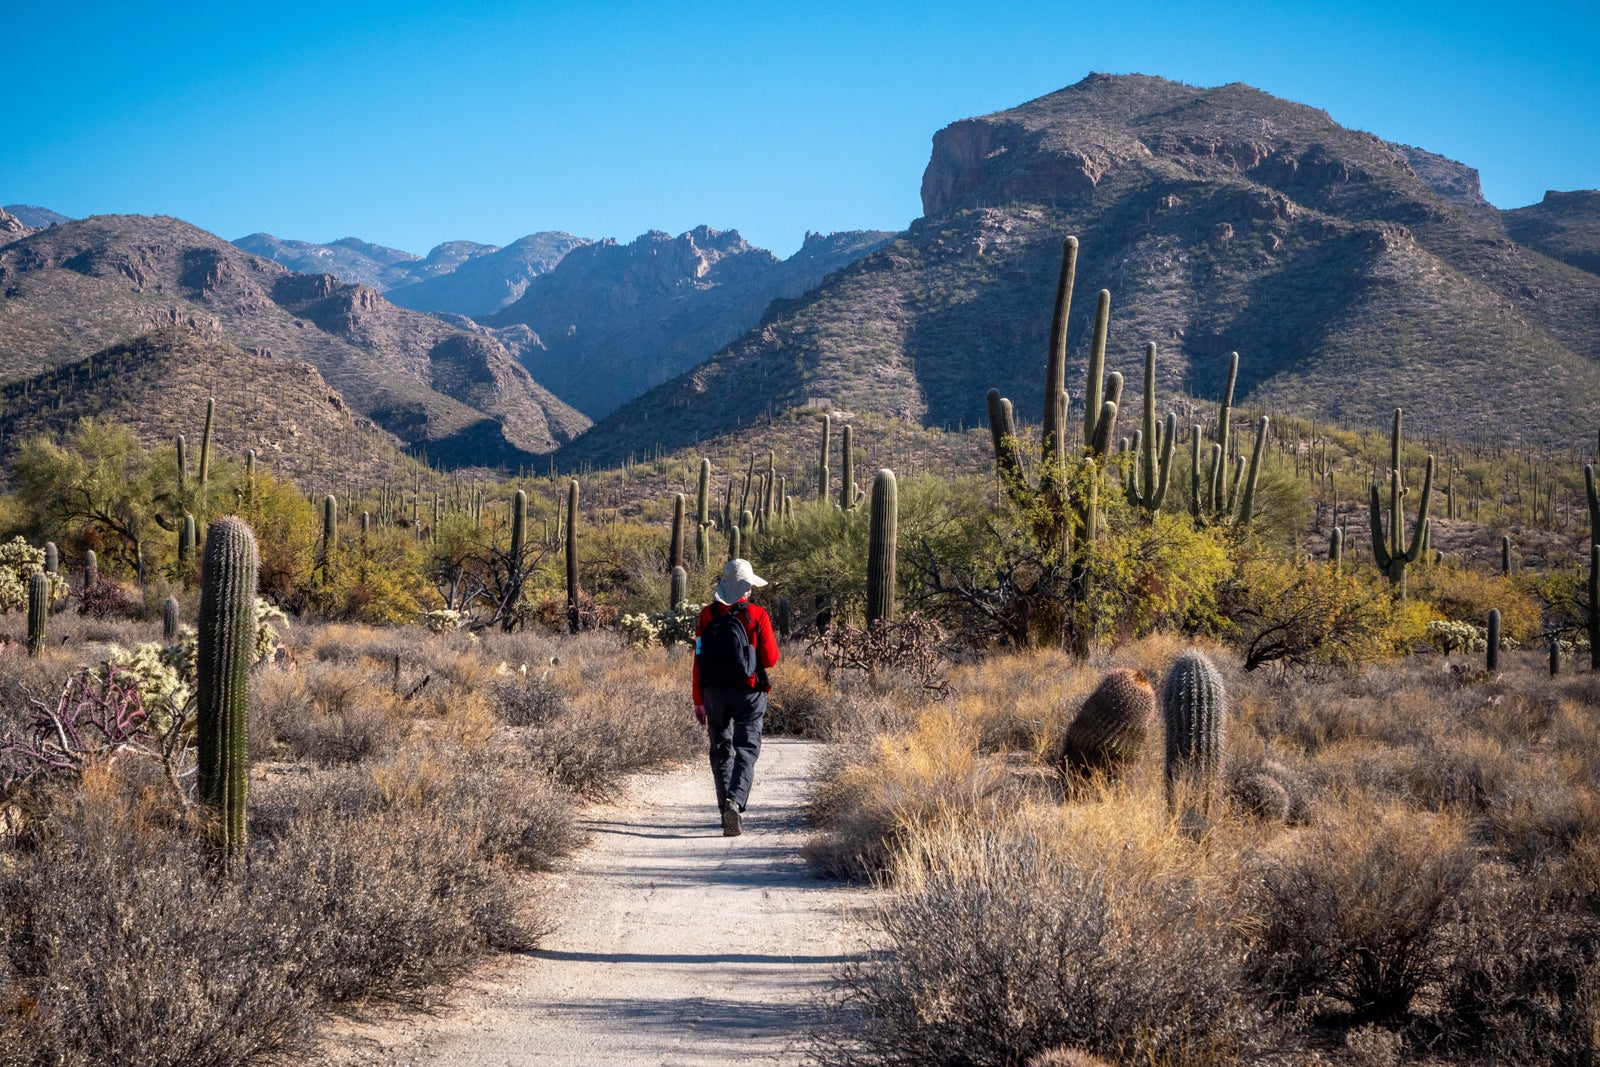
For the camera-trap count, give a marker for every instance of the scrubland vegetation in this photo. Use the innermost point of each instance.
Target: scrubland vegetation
(1354, 839)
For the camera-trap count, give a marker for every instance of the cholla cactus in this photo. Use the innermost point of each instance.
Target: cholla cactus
(20, 561)
(442, 621)
(157, 674)
(665, 628)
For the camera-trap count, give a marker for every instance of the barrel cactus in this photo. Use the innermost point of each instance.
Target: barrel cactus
(1109, 731)
(1194, 704)
(226, 649)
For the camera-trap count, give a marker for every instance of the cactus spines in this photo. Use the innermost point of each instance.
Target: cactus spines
(1247, 502)
(882, 537)
(702, 515)
(1105, 427)
(1505, 555)
(1193, 707)
(1594, 607)
(227, 635)
(1154, 469)
(1094, 380)
(822, 458)
(250, 476)
(1003, 430)
(1390, 551)
(204, 474)
(183, 465)
(91, 569)
(847, 470)
(680, 508)
(572, 555)
(679, 591)
(186, 539)
(1109, 731)
(1053, 443)
(330, 525)
(1336, 549)
(38, 610)
(1492, 660)
(52, 558)
(1227, 401)
(169, 621)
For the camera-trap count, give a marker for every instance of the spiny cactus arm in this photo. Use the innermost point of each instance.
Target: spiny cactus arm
(1094, 381)
(675, 545)
(1164, 467)
(1003, 431)
(1420, 534)
(1594, 504)
(822, 458)
(1147, 459)
(1219, 471)
(1380, 536)
(847, 470)
(205, 449)
(1105, 427)
(702, 495)
(1248, 504)
(1053, 444)
(1223, 428)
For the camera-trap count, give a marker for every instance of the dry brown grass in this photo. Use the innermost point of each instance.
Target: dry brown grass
(1425, 885)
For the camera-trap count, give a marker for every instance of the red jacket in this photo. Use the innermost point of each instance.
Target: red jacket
(757, 623)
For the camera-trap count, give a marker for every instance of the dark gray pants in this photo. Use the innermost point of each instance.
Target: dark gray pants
(733, 721)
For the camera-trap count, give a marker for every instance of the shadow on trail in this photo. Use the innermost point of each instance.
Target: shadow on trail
(707, 958)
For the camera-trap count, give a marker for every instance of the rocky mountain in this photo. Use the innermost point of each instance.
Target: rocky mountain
(612, 320)
(83, 286)
(1352, 275)
(457, 277)
(158, 383)
(1564, 226)
(488, 280)
(36, 218)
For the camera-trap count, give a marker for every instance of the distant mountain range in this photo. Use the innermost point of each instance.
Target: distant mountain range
(88, 285)
(1352, 275)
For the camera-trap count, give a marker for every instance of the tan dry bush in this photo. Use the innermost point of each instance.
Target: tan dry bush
(1359, 912)
(866, 803)
(1022, 702)
(803, 703)
(325, 712)
(1004, 939)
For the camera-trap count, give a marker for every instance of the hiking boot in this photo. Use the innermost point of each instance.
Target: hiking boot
(732, 825)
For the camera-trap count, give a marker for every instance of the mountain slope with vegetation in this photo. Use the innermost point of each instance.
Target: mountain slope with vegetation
(79, 287)
(1351, 275)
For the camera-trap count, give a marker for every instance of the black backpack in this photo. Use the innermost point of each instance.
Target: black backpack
(724, 651)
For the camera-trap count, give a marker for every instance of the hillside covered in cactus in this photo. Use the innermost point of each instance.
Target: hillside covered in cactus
(80, 286)
(1345, 270)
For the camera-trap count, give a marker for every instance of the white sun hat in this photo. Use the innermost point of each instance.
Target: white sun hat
(738, 578)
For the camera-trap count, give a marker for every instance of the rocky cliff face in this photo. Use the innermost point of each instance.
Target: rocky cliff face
(80, 287)
(1564, 226)
(612, 320)
(1352, 275)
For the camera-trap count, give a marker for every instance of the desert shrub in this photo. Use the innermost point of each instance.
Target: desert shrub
(802, 703)
(526, 701)
(1462, 595)
(1304, 614)
(866, 801)
(1360, 911)
(108, 599)
(1004, 942)
(1525, 987)
(324, 713)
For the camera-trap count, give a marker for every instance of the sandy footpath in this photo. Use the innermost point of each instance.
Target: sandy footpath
(671, 944)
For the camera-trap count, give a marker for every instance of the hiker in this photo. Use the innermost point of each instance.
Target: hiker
(733, 648)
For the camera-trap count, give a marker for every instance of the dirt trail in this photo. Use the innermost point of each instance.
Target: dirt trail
(672, 944)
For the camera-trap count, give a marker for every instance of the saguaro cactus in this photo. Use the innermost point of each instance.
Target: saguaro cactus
(847, 470)
(1336, 549)
(1193, 707)
(38, 610)
(52, 558)
(169, 621)
(227, 634)
(1505, 555)
(573, 618)
(702, 516)
(680, 587)
(882, 537)
(1492, 660)
(330, 526)
(204, 475)
(91, 569)
(186, 539)
(1153, 463)
(822, 457)
(675, 546)
(250, 477)
(1389, 548)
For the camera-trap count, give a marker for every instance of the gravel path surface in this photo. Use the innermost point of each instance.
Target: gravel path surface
(672, 944)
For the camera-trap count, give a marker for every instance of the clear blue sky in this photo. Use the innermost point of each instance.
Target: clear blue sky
(408, 124)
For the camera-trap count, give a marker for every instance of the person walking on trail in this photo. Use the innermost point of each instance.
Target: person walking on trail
(734, 647)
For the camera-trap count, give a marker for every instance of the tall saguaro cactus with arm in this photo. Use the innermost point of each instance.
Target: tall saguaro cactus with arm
(227, 634)
(1389, 548)
(1149, 489)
